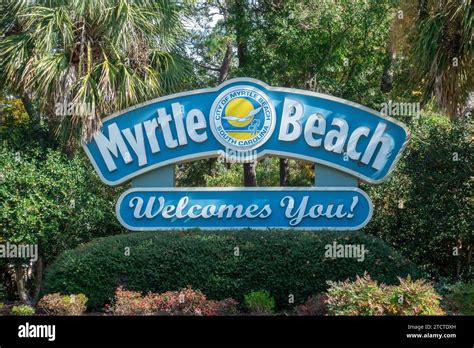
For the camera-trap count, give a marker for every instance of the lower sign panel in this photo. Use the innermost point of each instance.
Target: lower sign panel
(304, 208)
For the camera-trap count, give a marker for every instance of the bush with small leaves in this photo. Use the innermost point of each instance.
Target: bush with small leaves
(57, 304)
(54, 201)
(128, 302)
(185, 301)
(315, 305)
(365, 296)
(22, 310)
(412, 298)
(227, 306)
(260, 302)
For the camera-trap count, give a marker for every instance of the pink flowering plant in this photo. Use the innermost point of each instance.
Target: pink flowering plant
(185, 301)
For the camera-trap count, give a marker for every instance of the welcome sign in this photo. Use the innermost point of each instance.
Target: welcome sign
(251, 119)
(336, 209)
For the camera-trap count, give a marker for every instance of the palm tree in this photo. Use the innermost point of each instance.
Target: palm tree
(106, 54)
(443, 52)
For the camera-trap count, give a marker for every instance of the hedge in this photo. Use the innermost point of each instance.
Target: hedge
(281, 262)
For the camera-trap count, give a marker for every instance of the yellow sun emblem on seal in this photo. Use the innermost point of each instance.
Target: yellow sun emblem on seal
(240, 112)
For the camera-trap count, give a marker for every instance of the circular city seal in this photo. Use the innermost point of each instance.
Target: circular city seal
(242, 118)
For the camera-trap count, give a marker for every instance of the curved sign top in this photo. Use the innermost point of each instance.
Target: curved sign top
(249, 117)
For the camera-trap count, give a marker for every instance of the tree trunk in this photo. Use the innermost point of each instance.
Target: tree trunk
(387, 76)
(459, 259)
(28, 105)
(69, 148)
(469, 258)
(284, 172)
(250, 174)
(224, 72)
(20, 280)
(21, 277)
(240, 13)
(422, 9)
(39, 268)
(225, 66)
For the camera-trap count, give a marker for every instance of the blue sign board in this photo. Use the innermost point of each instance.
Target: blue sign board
(301, 208)
(243, 120)
(247, 117)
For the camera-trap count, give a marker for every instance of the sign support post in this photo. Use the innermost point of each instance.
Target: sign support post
(160, 177)
(325, 176)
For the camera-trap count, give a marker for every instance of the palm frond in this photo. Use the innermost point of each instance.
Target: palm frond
(111, 53)
(443, 54)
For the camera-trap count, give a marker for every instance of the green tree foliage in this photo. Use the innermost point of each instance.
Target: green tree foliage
(267, 174)
(334, 47)
(48, 199)
(19, 131)
(425, 208)
(211, 42)
(53, 201)
(459, 298)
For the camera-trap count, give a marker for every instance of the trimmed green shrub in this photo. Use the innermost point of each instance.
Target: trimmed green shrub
(22, 310)
(281, 262)
(365, 296)
(57, 304)
(260, 302)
